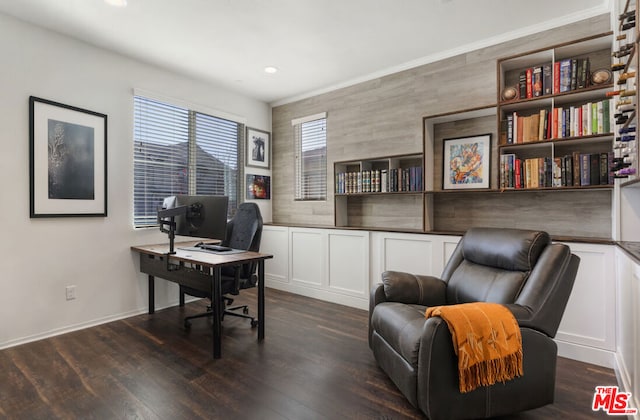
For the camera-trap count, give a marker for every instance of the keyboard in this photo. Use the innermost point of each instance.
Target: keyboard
(217, 248)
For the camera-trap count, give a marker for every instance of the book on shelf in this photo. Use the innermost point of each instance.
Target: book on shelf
(576, 169)
(547, 79)
(570, 121)
(536, 81)
(522, 84)
(384, 180)
(594, 169)
(574, 74)
(585, 169)
(571, 74)
(397, 179)
(556, 77)
(557, 172)
(529, 89)
(565, 75)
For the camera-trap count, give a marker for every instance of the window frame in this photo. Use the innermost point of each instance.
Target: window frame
(301, 190)
(194, 141)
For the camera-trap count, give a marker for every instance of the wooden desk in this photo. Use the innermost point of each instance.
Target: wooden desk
(199, 270)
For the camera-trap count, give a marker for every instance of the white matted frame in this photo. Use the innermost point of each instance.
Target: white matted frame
(67, 160)
(466, 163)
(258, 148)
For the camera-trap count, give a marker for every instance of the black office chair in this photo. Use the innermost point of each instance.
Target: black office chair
(244, 232)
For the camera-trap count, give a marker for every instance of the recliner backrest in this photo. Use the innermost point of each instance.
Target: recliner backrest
(519, 268)
(492, 265)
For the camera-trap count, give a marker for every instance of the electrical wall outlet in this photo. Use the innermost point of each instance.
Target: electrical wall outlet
(71, 292)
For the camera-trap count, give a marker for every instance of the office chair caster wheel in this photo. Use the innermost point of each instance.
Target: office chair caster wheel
(245, 310)
(187, 324)
(254, 323)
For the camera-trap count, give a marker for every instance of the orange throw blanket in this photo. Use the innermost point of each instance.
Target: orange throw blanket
(487, 341)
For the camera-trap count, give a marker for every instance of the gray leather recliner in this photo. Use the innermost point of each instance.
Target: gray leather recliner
(518, 268)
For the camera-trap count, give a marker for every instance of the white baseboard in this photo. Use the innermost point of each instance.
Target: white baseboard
(586, 354)
(326, 295)
(82, 325)
(624, 382)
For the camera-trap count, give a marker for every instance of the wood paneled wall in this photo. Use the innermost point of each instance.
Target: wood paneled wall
(384, 116)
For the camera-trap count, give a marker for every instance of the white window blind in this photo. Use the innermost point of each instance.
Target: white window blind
(178, 151)
(311, 158)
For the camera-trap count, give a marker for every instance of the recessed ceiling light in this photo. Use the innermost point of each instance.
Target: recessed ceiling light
(270, 69)
(116, 3)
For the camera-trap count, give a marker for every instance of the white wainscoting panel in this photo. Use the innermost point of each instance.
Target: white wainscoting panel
(340, 266)
(449, 244)
(635, 302)
(410, 253)
(628, 336)
(275, 241)
(625, 326)
(308, 256)
(587, 330)
(348, 263)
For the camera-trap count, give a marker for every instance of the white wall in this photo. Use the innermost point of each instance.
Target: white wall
(42, 256)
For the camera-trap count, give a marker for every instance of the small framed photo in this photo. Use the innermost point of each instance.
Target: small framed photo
(67, 160)
(258, 148)
(258, 187)
(466, 162)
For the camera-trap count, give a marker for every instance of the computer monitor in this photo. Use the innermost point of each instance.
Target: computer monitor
(202, 216)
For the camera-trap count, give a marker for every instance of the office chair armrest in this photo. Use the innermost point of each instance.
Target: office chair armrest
(413, 289)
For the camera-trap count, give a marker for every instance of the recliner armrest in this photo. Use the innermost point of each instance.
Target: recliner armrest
(413, 289)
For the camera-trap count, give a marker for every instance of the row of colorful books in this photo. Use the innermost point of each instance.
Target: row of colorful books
(560, 122)
(561, 76)
(379, 180)
(577, 169)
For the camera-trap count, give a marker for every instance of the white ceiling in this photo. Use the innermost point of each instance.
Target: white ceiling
(317, 45)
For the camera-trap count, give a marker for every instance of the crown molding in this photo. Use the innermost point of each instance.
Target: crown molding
(605, 8)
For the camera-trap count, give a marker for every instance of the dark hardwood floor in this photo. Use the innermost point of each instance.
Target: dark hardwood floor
(315, 363)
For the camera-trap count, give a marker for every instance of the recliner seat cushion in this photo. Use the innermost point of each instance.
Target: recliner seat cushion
(400, 325)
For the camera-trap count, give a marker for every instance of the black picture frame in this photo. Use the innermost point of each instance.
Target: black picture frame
(67, 160)
(258, 148)
(258, 187)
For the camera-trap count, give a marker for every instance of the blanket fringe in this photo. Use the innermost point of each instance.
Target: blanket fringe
(489, 372)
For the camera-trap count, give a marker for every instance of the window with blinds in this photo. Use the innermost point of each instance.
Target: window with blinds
(181, 151)
(310, 136)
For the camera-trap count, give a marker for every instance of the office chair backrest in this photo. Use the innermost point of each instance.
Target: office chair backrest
(244, 231)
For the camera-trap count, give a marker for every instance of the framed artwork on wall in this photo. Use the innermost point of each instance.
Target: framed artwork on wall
(466, 162)
(67, 160)
(258, 187)
(258, 148)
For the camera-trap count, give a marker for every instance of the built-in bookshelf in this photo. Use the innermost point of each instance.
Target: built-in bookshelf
(583, 134)
(559, 210)
(380, 193)
(408, 193)
(556, 117)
